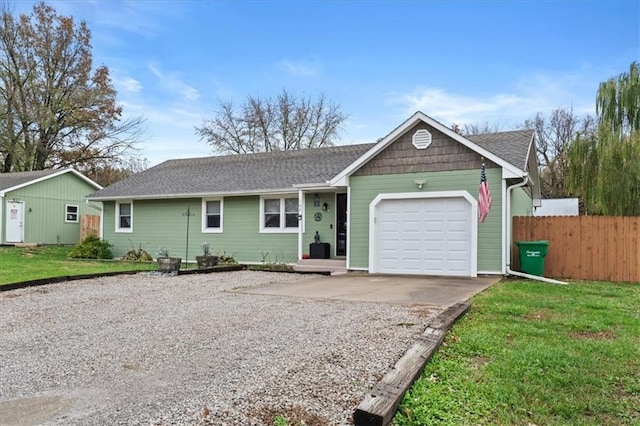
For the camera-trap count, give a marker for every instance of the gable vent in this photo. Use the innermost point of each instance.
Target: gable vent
(422, 139)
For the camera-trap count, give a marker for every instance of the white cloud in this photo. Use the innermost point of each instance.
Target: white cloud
(173, 83)
(127, 84)
(508, 108)
(299, 68)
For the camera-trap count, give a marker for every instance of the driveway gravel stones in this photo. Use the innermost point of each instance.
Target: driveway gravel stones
(159, 350)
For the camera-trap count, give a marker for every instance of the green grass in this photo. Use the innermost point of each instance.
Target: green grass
(31, 263)
(533, 353)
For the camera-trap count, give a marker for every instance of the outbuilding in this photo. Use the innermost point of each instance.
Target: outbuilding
(44, 207)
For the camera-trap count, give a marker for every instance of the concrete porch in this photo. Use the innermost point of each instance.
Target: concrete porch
(335, 266)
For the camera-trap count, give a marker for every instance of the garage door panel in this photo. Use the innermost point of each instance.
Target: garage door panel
(424, 236)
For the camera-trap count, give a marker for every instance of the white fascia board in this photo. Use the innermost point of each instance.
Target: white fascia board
(194, 195)
(314, 186)
(52, 175)
(407, 124)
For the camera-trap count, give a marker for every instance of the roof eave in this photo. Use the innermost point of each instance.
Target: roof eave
(50, 176)
(290, 190)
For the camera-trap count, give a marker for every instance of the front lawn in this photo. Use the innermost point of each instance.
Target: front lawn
(530, 353)
(31, 263)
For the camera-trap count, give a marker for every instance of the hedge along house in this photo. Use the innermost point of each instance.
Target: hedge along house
(407, 204)
(43, 207)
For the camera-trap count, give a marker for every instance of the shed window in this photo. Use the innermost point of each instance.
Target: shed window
(71, 213)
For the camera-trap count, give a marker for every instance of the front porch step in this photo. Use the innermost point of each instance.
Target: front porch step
(335, 266)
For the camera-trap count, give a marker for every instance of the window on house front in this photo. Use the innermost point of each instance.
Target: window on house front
(212, 216)
(279, 214)
(71, 213)
(124, 216)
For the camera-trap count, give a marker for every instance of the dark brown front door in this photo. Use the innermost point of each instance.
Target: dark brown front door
(341, 224)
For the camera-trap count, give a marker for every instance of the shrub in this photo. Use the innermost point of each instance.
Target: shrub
(226, 259)
(137, 254)
(92, 247)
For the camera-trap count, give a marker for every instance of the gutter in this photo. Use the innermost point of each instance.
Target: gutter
(525, 180)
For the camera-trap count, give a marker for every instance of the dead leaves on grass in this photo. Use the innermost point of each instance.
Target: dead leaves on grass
(296, 416)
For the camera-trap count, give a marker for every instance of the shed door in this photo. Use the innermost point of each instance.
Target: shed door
(428, 236)
(14, 230)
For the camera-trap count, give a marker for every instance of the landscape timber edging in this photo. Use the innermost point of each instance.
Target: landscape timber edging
(64, 278)
(379, 406)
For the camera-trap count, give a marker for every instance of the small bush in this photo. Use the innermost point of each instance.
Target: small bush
(137, 254)
(92, 247)
(226, 259)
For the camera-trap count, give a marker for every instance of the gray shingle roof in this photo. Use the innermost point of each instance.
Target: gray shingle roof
(275, 171)
(263, 172)
(512, 147)
(9, 180)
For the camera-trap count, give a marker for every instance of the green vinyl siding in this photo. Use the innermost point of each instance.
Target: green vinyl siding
(365, 188)
(521, 203)
(159, 223)
(44, 208)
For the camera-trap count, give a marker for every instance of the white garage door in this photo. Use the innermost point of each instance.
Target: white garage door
(429, 236)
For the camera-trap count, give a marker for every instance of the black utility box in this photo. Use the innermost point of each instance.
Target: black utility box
(319, 250)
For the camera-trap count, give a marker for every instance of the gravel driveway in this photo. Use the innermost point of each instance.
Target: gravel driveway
(159, 350)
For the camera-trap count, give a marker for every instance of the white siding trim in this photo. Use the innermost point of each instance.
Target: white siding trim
(348, 264)
(373, 266)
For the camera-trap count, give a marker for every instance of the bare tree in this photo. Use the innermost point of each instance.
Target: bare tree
(55, 109)
(284, 123)
(480, 128)
(554, 136)
(107, 172)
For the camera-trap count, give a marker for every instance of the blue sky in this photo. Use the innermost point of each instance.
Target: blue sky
(457, 61)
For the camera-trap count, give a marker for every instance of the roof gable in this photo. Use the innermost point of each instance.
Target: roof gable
(13, 181)
(509, 169)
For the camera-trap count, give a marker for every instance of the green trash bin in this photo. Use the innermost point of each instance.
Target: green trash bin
(532, 255)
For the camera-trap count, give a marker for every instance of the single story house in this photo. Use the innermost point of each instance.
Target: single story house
(44, 207)
(407, 204)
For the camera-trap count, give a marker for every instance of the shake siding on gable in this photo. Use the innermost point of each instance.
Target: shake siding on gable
(365, 188)
(444, 154)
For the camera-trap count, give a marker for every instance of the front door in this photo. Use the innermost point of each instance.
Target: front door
(341, 224)
(14, 229)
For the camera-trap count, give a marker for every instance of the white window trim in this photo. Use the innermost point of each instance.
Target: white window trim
(281, 229)
(117, 215)
(205, 229)
(66, 213)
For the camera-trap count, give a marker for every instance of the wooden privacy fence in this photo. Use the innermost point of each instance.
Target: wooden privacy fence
(584, 247)
(89, 225)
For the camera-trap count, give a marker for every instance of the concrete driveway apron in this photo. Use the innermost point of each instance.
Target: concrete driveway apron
(395, 289)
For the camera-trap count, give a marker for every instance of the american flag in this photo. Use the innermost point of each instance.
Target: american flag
(484, 197)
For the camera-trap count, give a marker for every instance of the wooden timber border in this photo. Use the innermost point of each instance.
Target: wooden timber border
(379, 406)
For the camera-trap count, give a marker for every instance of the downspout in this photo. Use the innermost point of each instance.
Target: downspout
(525, 180)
